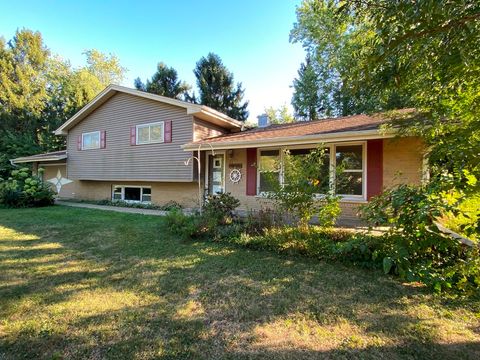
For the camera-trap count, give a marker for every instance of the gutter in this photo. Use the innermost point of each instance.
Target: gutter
(295, 140)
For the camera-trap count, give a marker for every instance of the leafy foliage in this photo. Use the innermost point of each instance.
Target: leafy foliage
(164, 82)
(280, 115)
(337, 41)
(303, 180)
(22, 189)
(414, 248)
(39, 91)
(221, 207)
(217, 88)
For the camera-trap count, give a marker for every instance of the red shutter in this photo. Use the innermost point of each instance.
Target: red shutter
(133, 135)
(167, 132)
(103, 140)
(252, 171)
(79, 142)
(374, 167)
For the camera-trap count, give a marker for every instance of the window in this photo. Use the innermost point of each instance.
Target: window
(269, 169)
(342, 169)
(322, 175)
(349, 170)
(150, 133)
(132, 193)
(91, 140)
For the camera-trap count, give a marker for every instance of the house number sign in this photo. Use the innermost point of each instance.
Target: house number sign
(235, 176)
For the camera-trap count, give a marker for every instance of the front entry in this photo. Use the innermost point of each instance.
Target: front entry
(216, 171)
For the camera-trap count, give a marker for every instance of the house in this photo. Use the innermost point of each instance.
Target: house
(134, 146)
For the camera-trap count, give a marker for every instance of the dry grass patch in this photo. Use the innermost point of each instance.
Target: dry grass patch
(85, 284)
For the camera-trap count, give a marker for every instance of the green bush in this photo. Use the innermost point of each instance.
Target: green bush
(220, 208)
(256, 222)
(22, 189)
(181, 224)
(304, 177)
(414, 248)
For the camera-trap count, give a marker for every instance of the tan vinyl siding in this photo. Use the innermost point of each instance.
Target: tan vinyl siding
(203, 130)
(119, 160)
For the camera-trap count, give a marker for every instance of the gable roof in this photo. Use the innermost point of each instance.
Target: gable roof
(355, 127)
(201, 111)
(51, 156)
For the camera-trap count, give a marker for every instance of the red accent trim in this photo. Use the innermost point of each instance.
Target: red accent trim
(133, 135)
(167, 131)
(252, 171)
(374, 167)
(79, 142)
(103, 142)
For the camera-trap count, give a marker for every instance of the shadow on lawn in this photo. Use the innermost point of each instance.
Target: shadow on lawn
(208, 300)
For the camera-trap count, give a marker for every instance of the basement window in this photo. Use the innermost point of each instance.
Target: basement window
(140, 194)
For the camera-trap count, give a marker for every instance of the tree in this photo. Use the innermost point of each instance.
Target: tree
(105, 68)
(23, 87)
(164, 82)
(39, 91)
(280, 115)
(306, 99)
(217, 88)
(334, 41)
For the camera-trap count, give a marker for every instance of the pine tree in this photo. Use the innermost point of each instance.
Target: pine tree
(164, 82)
(306, 100)
(217, 88)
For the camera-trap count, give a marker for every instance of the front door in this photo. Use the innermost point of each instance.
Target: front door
(216, 181)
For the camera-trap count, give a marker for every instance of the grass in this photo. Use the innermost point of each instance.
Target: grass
(87, 284)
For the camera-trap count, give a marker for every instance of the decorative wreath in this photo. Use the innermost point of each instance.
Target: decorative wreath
(235, 176)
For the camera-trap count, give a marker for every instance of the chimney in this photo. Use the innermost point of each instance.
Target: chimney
(263, 120)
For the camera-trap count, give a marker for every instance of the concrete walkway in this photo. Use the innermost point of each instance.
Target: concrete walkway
(113, 208)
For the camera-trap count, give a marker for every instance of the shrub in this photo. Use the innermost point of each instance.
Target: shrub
(22, 189)
(220, 208)
(181, 224)
(303, 179)
(414, 248)
(256, 222)
(171, 205)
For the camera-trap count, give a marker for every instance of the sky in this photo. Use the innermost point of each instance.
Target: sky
(251, 37)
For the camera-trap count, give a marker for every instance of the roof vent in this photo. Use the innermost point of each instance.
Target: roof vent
(263, 120)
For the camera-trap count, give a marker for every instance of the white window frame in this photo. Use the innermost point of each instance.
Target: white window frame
(333, 161)
(132, 186)
(280, 171)
(90, 133)
(333, 164)
(149, 126)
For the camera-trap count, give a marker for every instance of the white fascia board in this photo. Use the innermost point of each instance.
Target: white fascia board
(293, 140)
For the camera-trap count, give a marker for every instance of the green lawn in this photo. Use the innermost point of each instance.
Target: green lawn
(86, 284)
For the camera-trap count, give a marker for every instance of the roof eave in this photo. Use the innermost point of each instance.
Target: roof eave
(23, 160)
(294, 140)
(215, 117)
(204, 111)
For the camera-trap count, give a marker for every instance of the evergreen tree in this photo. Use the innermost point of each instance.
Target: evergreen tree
(306, 100)
(217, 88)
(164, 82)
